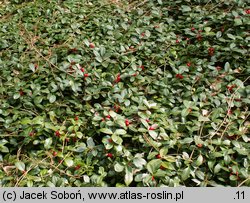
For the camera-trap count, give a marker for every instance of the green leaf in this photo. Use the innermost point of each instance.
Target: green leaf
(112, 114)
(32, 67)
(217, 168)
(154, 165)
(39, 120)
(227, 66)
(47, 143)
(52, 98)
(231, 36)
(106, 131)
(79, 135)
(145, 123)
(237, 21)
(169, 158)
(218, 34)
(50, 126)
(121, 123)
(185, 173)
(159, 2)
(90, 142)
(120, 132)
(4, 149)
(200, 175)
(199, 160)
(185, 8)
(203, 118)
(128, 175)
(20, 165)
(187, 140)
(116, 139)
(207, 29)
(139, 162)
(69, 161)
(16, 95)
(153, 134)
(118, 167)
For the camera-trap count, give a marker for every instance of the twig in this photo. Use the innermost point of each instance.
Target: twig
(243, 182)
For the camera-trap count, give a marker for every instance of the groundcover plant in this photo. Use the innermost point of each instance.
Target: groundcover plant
(124, 93)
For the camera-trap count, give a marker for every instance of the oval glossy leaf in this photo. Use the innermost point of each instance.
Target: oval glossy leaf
(106, 131)
(47, 143)
(185, 174)
(128, 175)
(52, 98)
(69, 162)
(118, 167)
(120, 132)
(154, 165)
(20, 165)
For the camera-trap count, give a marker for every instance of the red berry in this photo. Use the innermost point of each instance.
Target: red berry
(211, 51)
(103, 119)
(237, 100)
(158, 156)
(199, 37)
(76, 118)
(230, 88)
(199, 145)
(147, 120)
(91, 45)
(108, 116)
(218, 68)
(31, 134)
(127, 122)
(177, 41)
(151, 128)
(77, 167)
(179, 76)
(153, 178)
(82, 69)
(142, 67)
(118, 78)
(162, 168)
(188, 64)
(74, 50)
(110, 155)
(143, 34)
(247, 11)
(117, 108)
(86, 75)
(229, 112)
(193, 29)
(21, 92)
(54, 153)
(36, 66)
(110, 140)
(135, 74)
(57, 133)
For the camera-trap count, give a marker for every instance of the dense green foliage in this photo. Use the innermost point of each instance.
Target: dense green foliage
(119, 93)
